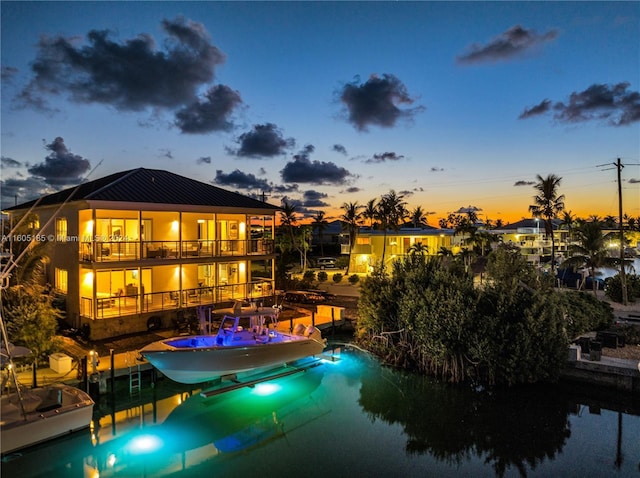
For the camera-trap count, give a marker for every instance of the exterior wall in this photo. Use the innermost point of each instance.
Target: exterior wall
(370, 245)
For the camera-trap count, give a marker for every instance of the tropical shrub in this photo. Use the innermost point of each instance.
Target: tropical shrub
(309, 276)
(337, 277)
(31, 319)
(613, 289)
(584, 313)
(354, 279)
(322, 276)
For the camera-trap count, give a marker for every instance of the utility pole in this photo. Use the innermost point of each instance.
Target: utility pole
(623, 278)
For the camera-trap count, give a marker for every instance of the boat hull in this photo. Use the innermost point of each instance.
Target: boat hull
(72, 411)
(210, 363)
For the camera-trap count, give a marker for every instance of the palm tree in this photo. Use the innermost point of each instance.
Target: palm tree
(568, 222)
(391, 212)
(591, 250)
(418, 248)
(418, 217)
(351, 222)
(609, 222)
(320, 224)
(547, 205)
(288, 219)
(370, 211)
(28, 257)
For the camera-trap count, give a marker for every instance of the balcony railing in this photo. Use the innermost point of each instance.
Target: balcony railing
(113, 251)
(115, 305)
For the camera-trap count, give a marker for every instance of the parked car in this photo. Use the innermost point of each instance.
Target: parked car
(588, 283)
(303, 296)
(326, 262)
(326, 295)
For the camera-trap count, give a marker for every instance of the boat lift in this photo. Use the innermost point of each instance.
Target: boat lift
(273, 374)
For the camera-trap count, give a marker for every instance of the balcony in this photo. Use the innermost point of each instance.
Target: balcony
(117, 251)
(122, 304)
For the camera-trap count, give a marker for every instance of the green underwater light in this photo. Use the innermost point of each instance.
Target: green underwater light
(266, 389)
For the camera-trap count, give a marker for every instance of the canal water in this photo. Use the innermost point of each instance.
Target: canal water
(349, 418)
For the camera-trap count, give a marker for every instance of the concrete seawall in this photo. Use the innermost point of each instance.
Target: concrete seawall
(615, 373)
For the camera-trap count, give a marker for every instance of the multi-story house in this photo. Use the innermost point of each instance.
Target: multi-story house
(131, 250)
(370, 246)
(530, 236)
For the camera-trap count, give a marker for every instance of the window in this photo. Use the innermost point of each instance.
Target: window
(62, 280)
(61, 229)
(363, 240)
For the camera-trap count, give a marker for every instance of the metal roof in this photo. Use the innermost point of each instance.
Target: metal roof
(150, 186)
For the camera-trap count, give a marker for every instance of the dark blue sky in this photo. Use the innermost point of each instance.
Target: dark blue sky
(451, 104)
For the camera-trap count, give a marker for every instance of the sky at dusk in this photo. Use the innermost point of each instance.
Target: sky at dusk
(451, 104)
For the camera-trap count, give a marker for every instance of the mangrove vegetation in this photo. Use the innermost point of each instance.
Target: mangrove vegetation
(426, 314)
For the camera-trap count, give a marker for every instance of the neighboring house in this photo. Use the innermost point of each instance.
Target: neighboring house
(529, 235)
(134, 248)
(330, 236)
(369, 245)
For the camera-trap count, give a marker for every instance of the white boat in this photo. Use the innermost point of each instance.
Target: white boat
(29, 416)
(234, 349)
(36, 415)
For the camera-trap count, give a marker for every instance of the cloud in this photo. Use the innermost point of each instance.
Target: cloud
(241, 180)
(6, 162)
(132, 75)
(376, 102)
(541, 108)
(166, 153)
(406, 193)
(311, 198)
(204, 160)
(524, 183)
(285, 188)
(633, 181)
(614, 103)
(303, 170)
(511, 44)
(264, 140)
(17, 190)
(467, 210)
(61, 167)
(338, 148)
(352, 189)
(436, 169)
(210, 114)
(383, 157)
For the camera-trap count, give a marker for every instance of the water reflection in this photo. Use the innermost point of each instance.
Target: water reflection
(356, 418)
(516, 429)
